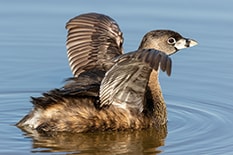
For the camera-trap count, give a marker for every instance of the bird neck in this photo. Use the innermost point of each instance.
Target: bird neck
(159, 105)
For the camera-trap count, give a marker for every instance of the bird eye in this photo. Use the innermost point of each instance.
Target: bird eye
(171, 40)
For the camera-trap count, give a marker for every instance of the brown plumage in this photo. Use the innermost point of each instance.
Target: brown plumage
(110, 90)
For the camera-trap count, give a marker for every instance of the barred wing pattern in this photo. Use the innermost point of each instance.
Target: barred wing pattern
(93, 40)
(125, 83)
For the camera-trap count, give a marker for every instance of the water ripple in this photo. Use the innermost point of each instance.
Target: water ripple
(194, 124)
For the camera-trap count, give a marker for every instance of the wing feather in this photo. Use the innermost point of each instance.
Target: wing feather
(93, 40)
(125, 83)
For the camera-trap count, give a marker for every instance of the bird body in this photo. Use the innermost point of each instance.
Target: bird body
(110, 90)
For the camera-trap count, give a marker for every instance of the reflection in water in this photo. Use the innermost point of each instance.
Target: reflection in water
(144, 141)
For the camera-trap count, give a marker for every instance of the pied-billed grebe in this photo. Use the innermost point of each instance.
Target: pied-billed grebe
(110, 90)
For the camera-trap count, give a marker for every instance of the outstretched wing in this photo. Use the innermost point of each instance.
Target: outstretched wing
(125, 83)
(93, 40)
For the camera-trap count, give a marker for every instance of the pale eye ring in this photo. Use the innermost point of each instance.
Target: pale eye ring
(171, 40)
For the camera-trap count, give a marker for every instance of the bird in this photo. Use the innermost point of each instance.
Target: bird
(110, 90)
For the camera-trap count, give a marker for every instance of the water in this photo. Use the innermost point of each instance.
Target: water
(198, 94)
